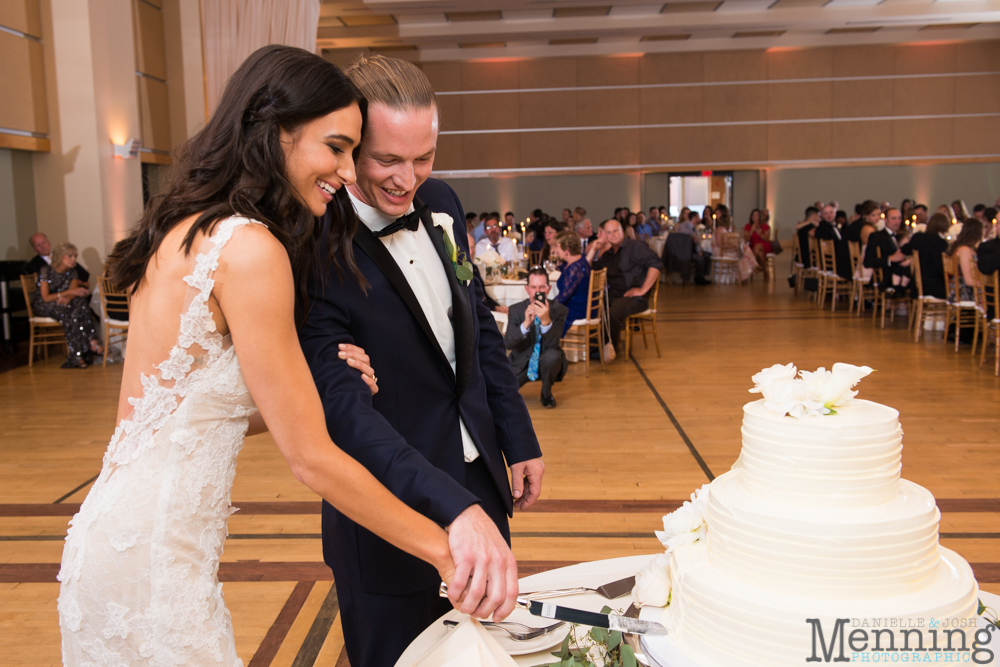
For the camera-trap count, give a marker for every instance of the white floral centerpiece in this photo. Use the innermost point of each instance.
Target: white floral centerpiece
(808, 394)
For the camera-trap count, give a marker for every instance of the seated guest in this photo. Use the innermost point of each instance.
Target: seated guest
(567, 217)
(960, 210)
(491, 303)
(757, 233)
(534, 330)
(654, 220)
(502, 245)
(979, 211)
(574, 279)
(509, 224)
(631, 223)
(40, 242)
(921, 214)
(585, 230)
(894, 264)
(65, 298)
(988, 257)
(827, 230)
(964, 248)
(804, 231)
(633, 268)
(931, 244)
(552, 229)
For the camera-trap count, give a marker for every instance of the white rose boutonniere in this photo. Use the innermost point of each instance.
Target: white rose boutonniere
(653, 583)
(463, 269)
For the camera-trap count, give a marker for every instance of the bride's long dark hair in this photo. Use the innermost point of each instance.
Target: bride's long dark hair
(236, 166)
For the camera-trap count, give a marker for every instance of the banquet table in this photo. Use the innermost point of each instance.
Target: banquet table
(591, 575)
(656, 244)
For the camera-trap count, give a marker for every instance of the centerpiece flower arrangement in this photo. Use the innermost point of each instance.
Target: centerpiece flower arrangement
(492, 265)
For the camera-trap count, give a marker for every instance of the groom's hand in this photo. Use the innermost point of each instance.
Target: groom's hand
(526, 482)
(485, 580)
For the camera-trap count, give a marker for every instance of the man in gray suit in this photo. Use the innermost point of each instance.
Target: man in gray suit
(533, 336)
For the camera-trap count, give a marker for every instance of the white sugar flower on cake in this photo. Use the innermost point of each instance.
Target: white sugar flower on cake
(687, 523)
(653, 583)
(810, 394)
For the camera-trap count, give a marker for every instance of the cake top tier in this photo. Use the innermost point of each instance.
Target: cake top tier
(847, 459)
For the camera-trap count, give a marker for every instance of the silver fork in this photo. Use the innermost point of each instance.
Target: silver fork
(533, 633)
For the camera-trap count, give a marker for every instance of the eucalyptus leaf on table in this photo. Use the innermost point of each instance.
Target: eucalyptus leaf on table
(606, 646)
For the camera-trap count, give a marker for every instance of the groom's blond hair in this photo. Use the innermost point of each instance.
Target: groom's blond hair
(398, 84)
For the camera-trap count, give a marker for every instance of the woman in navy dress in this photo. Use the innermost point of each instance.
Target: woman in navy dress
(574, 281)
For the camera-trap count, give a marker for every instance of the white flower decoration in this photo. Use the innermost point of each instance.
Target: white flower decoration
(811, 394)
(687, 523)
(653, 583)
(490, 258)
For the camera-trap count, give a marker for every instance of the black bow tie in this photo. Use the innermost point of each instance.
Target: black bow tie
(409, 221)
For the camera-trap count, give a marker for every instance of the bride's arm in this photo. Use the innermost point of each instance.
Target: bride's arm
(255, 290)
(353, 356)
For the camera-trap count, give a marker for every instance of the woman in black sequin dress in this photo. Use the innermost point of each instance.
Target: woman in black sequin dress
(66, 299)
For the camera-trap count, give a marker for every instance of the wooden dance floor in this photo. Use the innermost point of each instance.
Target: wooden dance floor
(623, 447)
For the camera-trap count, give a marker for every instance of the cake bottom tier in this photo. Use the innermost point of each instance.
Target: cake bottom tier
(718, 621)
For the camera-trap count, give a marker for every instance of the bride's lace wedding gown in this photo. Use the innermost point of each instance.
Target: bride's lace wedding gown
(139, 569)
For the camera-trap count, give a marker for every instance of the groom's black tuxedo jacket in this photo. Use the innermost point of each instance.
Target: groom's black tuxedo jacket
(408, 434)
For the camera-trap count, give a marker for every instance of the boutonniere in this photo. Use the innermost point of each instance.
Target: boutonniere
(461, 264)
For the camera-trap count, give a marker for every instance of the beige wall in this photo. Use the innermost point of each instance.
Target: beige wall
(17, 204)
(738, 109)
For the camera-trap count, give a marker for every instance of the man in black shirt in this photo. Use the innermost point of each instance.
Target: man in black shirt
(827, 230)
(40, 242)
(633, 269)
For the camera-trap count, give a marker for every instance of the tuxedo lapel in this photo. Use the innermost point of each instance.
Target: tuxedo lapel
(461, 311)
(378, 253)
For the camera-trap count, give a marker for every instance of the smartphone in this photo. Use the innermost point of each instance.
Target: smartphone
(540, 297)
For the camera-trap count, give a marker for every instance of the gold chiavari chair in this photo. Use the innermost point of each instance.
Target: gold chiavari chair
(726, 267)
(926, 308)
(861, 290)
(991, 297)
(832, 283)
(644, 323)
(960, 313)
(814, 270)
(885, 304)
(44, 331)
(114, 303)
(590, 330)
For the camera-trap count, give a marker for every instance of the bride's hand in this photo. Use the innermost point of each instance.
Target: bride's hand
(357, 359)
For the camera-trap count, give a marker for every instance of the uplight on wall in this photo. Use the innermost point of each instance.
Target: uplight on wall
(128, 150)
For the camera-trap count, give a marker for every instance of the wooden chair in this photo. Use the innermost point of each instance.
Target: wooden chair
(591, 330)
(861, 290)
(991, 334)
(979, 297)
(961, 313)
(814, 270)
(44, 331)
(534, 258)
(885, 304)
(644, 323)
(726, 267)
(831, 283)
(798, 267)
(926, 308)
(501, 319)
(115, 329)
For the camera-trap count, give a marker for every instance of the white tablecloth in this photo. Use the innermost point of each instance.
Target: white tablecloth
(508, 295)
(656, 244)
(592, 575)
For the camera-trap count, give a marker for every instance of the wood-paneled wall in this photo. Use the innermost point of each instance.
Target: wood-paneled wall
(22, 77)
(874, 104)
(151, 80)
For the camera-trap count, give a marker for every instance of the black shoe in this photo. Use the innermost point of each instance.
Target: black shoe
(701, 281)
(890, 292)
(548, 402)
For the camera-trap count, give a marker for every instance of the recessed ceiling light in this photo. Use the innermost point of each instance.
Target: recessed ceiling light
(846, 31)
(664, 38)
(683, 7)
(759, 33)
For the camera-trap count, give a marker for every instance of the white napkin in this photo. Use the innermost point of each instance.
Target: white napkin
(468, 645)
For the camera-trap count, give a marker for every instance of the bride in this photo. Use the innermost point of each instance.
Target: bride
(217, 266)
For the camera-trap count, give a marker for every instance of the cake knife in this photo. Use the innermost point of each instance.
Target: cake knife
(610, 621)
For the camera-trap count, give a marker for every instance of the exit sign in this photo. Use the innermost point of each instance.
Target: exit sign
(706, 173)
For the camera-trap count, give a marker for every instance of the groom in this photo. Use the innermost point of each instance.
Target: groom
(448, 418)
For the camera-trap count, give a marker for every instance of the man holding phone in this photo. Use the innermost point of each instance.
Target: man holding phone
(533, 336)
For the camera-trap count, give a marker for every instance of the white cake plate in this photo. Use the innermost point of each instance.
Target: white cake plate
(663, 653)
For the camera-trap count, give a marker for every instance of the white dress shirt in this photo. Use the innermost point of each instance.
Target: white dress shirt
(421, 265)
(505, 247)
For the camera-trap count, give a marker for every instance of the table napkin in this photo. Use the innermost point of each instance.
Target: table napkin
(468, 645)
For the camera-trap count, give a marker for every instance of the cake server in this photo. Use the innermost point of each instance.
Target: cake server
(609, 591)
(610, 621)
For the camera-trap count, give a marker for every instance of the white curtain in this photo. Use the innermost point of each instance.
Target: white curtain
(233, 29)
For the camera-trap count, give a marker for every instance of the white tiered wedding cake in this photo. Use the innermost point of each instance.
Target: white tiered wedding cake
(813, 522)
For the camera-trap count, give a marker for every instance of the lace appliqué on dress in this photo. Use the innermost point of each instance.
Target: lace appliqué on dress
(140, 565)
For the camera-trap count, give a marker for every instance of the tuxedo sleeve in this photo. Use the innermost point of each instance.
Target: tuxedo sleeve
(360, 430)
(558, 313)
